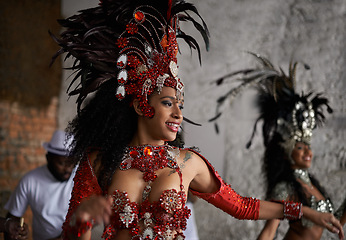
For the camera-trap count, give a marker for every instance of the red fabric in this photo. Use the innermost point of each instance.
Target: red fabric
(229, 200)
(85, 185)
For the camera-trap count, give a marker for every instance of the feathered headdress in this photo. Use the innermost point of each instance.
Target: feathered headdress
(282, 110)
(130, 41)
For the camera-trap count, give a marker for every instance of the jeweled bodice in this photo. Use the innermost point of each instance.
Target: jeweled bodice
(164, 218)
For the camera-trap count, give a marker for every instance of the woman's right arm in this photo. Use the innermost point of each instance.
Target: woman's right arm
(94, 210)
(269, 230)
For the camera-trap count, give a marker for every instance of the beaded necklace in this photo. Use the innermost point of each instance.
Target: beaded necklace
(148, 159)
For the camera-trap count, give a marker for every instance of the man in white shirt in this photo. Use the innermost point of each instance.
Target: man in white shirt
(47, 190)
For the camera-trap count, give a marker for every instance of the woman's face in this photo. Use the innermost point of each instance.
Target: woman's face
(168, 116)
(301, 155)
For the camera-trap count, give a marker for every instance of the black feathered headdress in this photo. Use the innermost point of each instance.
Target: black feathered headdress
(282, 110)
(131, 42)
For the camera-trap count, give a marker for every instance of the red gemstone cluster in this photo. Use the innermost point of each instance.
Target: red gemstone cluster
(148, 159)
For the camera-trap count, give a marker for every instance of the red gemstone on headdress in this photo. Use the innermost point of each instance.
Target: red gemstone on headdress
(122, 42)
(139, 16)
(121, 64)
(121, 80)
(131, 28)
(148, 151)
(119, 96)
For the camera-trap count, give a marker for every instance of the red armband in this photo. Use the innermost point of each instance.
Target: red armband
(229, 200)
(292, 210)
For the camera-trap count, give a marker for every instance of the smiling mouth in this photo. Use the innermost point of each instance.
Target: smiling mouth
(173, 126)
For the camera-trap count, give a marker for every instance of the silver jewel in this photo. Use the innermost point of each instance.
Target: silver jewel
(174, 68)
(141, 68)
(146, 87)
(180, 89)
(168, 233)
(172, 154)
(146, 191)
(127, 216)
(148, 233)
(303, 175)
(324, 206)
(126, 163)
(148, 50)
(121, 90)
(160, 81)
(122, 76)
(122, 61)
(147, 219)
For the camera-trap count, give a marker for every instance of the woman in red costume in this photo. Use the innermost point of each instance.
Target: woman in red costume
(129, 178)
(288, 122)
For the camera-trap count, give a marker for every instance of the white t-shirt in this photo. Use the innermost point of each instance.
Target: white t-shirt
(48, 199)
(191, 232)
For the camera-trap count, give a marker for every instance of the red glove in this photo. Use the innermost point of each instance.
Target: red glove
(229, 200)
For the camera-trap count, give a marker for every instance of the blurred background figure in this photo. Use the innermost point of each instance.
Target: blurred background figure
(46, 190)
(288, 122)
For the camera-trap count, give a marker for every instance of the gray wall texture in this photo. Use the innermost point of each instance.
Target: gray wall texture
(310, 31)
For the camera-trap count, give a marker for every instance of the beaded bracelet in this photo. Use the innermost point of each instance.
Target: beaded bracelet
(292, 210)
(78, 227)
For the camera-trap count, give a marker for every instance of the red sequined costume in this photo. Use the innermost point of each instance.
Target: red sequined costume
(162, 219)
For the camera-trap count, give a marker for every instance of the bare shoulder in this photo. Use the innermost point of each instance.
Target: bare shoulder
(191, 158)
(188, 155)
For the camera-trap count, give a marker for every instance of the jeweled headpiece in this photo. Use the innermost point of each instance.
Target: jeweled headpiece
(282, 110)
(131, 42)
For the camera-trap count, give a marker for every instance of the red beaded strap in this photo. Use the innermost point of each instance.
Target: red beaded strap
(292, 210)
(78, 227)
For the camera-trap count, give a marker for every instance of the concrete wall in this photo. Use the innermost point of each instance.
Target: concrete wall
(309, 31)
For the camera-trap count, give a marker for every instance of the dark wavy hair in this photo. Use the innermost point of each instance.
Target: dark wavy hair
(277, 168)
(105, 125)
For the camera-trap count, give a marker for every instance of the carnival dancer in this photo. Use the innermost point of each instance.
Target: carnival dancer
(128, 177)
(288, 122)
